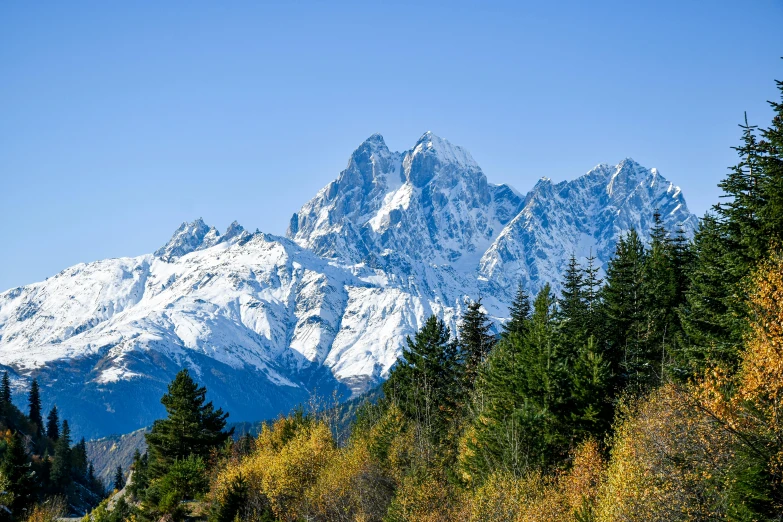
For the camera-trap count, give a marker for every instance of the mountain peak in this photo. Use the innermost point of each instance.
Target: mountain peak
(187, 238)
(446, 153)
(376, 138)
(372, 145)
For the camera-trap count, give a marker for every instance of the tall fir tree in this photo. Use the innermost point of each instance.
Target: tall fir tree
(713, 328)
(79, 462)
(661, 299)
(590, 409)
(771, 163)
(61, 463)
(592, 297)
(572, 304)
(499, 437)
(5, 393)
(192, 427)
(34, 404)
(516, 427)
(119, 478)
(17, 469)
(475, 339)
(623, 309)
(426, 383)
(519, 314)
(496, 435)
(53, 424)
(140, 469)
(730, 243)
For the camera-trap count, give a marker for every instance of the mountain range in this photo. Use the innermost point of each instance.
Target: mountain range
(265, 321)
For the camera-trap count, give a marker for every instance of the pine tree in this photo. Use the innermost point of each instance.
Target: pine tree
(730, 243)
(624, 314)
(590, 407)
(771, 163)
(519, 314)
(546, 365)
(496, 441)
(476, 340)
(5, 392)
(34, 402)
(193, 426)
(426, 383)
(524, 385)
(53, 424)
(140, 480)
(592, 289)
(572, 304)
(740, 214)
(711, 321)
(94, 482)
(79, 463)
(119, 479)
(17, 469)
(61, 465)
(661, 300)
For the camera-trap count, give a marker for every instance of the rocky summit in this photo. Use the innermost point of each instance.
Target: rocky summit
(398, 236)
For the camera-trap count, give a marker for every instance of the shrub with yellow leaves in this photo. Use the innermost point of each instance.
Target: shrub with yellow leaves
(669, 461)
(285, 465)
(761, 376)
(560, 497)
(51, 510)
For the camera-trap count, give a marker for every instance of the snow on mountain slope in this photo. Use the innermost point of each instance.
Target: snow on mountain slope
(431, 203)
(583, 217)
(265, 320)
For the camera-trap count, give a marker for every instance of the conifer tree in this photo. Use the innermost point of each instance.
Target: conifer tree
(713, 330)
(524, 385)
(771, 163)
(592, 289)
(590, 407)
(17, 469)
(79, 463)
(5, 392)
(476, 340)
(193, 426)
(572, 304)
(497, 434)
(61, 465)
(426, 382)
(53, 424)
(34, 402)
(119, 479)
(661, 300)
(95, 484)
(546, 367)
(740, 214)
(623, 310)
(519, 314)
(140, 480)
(729, 244)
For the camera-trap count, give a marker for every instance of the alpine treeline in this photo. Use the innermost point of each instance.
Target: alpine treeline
(41, 470)
(648, 389)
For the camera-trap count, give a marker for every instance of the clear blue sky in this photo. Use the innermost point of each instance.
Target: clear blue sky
(120, 120)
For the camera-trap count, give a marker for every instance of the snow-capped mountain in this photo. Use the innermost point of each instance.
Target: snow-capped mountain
(583, 217)
(264, 321)
(431, 203)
